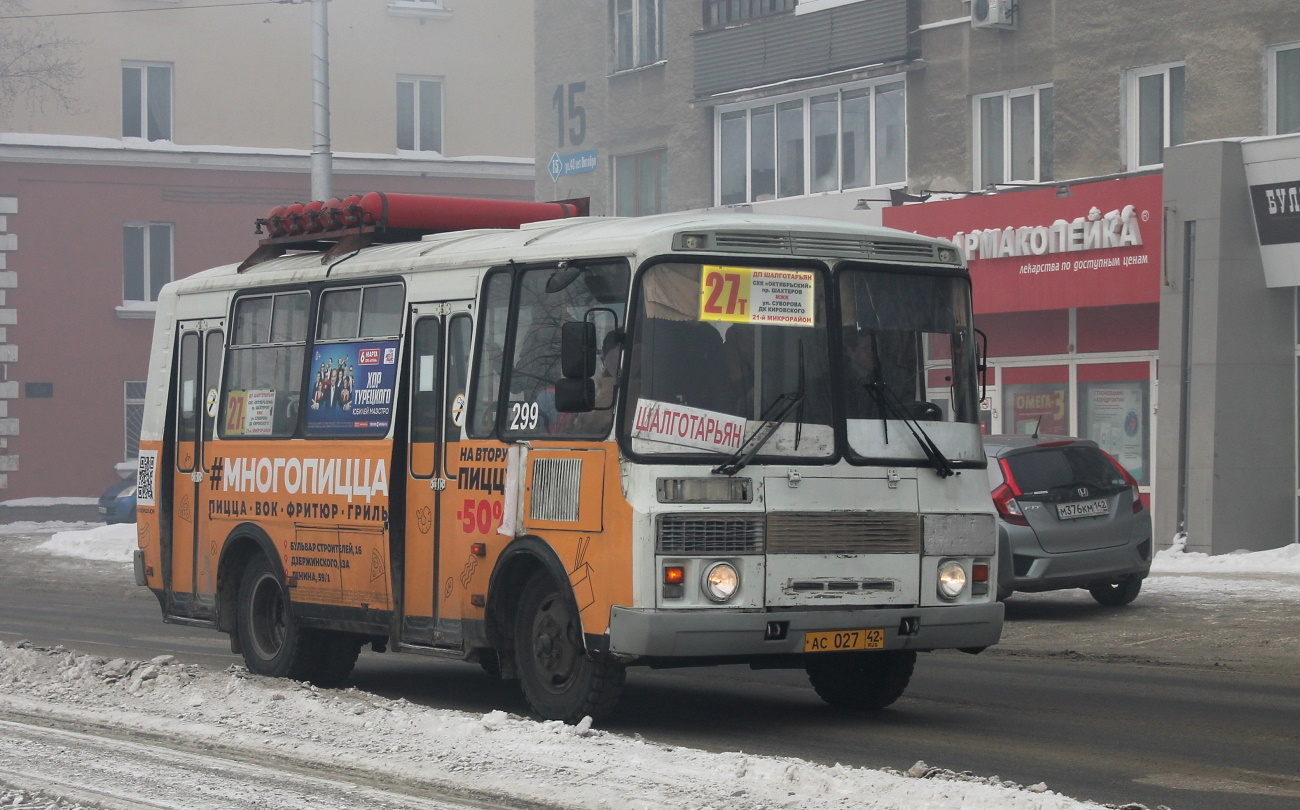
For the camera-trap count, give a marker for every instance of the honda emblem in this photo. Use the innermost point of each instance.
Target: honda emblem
(1083, 492)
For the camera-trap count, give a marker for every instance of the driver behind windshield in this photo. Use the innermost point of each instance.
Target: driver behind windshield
(887, 360)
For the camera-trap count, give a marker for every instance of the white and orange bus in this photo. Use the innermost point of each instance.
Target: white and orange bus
(563, 447)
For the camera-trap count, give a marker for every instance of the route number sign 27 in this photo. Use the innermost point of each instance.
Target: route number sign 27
(757, 295)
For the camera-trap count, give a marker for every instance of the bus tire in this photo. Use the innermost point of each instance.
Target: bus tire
(272, 642)
(861, 681)
(558, 678)
(336, 655)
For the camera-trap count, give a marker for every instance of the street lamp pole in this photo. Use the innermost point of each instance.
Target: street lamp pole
(322, 168)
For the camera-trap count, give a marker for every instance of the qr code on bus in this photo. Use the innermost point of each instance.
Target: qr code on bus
(144, 477)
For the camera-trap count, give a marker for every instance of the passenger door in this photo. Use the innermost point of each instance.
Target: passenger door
(436, 398)
(198, 375)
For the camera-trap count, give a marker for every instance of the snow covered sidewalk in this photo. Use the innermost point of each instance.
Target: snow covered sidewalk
(494, 757)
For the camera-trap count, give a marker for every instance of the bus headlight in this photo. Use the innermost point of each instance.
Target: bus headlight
(952, 580)
(721, 581)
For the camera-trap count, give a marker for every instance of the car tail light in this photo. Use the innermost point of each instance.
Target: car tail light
(1004, 497)
(1138, 506)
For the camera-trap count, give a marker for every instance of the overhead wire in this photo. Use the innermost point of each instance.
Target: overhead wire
(159, 8)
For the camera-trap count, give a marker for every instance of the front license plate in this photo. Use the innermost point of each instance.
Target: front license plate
(838, 640)
(1081, 509)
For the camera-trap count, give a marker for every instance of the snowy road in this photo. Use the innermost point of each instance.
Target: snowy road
(1128, 705)
(97, 765)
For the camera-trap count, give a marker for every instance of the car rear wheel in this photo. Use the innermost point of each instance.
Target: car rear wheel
(861, 681)
(1116, 593)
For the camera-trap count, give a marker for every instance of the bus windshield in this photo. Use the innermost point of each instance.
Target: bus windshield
(713, 351)
(908, 356)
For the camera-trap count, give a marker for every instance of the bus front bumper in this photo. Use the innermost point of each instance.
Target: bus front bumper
(742, 634)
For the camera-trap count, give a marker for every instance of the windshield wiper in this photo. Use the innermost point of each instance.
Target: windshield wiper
(780, 410)
(889, 402)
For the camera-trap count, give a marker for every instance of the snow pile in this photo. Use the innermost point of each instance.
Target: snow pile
(548, 762)
(112, 543)
(24, 527)
(1177, 560)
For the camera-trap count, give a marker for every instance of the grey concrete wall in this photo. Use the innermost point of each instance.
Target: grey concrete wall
(1084, 50)
(1241, 408)
(627, 112)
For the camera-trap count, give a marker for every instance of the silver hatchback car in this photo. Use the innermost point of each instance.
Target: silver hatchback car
(1069, 517)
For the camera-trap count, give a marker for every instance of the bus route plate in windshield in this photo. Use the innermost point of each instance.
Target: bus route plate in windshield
(757, 295)
(840, 640)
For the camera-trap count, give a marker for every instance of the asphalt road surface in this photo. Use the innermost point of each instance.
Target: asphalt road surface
(1192, 706)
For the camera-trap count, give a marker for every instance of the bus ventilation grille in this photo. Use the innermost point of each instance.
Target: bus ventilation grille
(843, 533)
(821, 245)
(711, 535)
(556, 489)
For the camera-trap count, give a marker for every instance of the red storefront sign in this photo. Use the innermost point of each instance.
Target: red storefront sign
(1029, 249)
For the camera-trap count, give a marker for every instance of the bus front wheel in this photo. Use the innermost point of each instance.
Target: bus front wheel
(558, 678)
(861, 680)
(273, 643)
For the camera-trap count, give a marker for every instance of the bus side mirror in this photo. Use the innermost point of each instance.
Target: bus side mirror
(575, 396)
(578, 350)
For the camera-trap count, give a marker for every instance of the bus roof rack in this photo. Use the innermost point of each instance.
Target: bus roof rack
(342, 225)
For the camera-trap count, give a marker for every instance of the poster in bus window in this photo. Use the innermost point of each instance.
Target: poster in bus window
(1114, 417)
(350, 391)
(1037, 408)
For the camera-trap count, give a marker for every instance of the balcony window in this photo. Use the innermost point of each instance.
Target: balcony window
(828, 140)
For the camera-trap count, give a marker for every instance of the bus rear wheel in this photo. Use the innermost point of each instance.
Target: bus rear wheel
(273, 643)
(861, 681)
(558, 678)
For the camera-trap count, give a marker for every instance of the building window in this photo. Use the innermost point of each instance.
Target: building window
(829, 140)
(726, 12)
(1013, 136)
(146, 259)
(1156, 113)
(419, 114)
(641, 184)
(147, 101)
(638, 33)
(132, 416)
(1284, 89)
(418, 8)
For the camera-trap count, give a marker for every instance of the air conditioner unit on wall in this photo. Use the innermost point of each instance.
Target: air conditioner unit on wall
(993, 14)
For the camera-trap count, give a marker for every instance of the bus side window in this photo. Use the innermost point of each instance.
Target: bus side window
(486, 394)
(187, 392)
(264, 366)
(459, 330)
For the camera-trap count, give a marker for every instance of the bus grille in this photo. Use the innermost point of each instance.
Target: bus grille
(843, 533)
(557, 483)
(711, 534)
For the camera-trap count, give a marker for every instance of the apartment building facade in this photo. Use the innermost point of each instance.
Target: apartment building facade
(967, 119)
(184, 121)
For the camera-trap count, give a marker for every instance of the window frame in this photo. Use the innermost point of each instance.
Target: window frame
(1043, 135)
(1133, 124)
(661, 182)
(416, 132)
(144, 99)
(638, 58)
(1272, 91)
(146, 269)
(808, 180)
